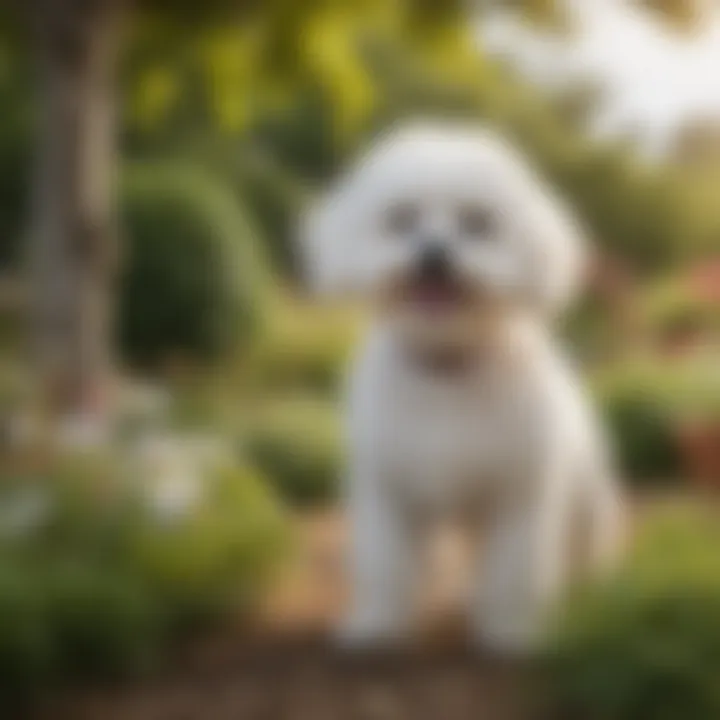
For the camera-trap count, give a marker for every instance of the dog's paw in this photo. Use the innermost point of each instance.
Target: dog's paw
(511, 642)
(508, 637)
(365, 632)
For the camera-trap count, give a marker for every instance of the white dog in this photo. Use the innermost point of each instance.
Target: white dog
(460, 399)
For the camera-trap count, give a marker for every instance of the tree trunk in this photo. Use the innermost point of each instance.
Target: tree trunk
(74, 233)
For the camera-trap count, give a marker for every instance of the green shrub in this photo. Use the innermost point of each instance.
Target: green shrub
(97, 579)
(61, 621)
(100, 618)
(26, 648)
(673, 309)
(645, 645)
(195, 285)
(305, 350)
(695, 390)
(635, 412)
(297, 446)
(646, 402)
(217, 557)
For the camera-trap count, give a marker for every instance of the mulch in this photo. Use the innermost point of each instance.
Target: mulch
(286, 667)
(303, 677)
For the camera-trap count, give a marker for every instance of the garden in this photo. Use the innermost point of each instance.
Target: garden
(178, 553)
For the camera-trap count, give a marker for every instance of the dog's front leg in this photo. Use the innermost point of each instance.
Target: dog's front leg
(384, 556)
(523, 569)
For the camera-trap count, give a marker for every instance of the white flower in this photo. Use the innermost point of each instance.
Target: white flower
(25, 512)
(173, 469)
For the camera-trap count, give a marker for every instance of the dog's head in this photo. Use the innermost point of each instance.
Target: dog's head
(442, 227)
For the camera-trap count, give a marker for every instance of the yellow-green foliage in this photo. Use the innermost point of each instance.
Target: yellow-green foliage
(646, 644)
(645, 402)
(633, 403)
(298, 446)
(218, 556)
(97, 578)
(674, 306)
(306, 349)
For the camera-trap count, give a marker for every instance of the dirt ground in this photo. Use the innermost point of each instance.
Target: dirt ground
(286, 668)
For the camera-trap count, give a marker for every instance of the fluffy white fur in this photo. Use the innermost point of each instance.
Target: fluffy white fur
(467, 408)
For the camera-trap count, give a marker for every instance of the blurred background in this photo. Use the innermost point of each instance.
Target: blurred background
(170, 443)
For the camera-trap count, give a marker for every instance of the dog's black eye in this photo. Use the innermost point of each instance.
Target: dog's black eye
(477, 223)
(402, 219)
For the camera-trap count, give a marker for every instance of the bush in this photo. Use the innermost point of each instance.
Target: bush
(297, 446)
(635, 410)
(647, 644)
(217, 557)
(100, 619)
(26, 648)
(196, 285)
(645, 405)
(305, 350)
(97, 578)
(61, 621)
(674, 310)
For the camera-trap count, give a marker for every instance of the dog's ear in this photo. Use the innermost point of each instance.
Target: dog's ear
(554, 243)
(338, 227)
(557, 251)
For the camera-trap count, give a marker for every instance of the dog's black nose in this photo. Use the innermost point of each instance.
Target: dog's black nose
(434, 262)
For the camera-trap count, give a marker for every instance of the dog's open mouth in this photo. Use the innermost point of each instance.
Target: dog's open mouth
(435, 294)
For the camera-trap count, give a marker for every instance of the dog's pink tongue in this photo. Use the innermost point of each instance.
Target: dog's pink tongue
(435, 295)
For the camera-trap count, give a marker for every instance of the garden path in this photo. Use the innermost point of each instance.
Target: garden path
(286, 668)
